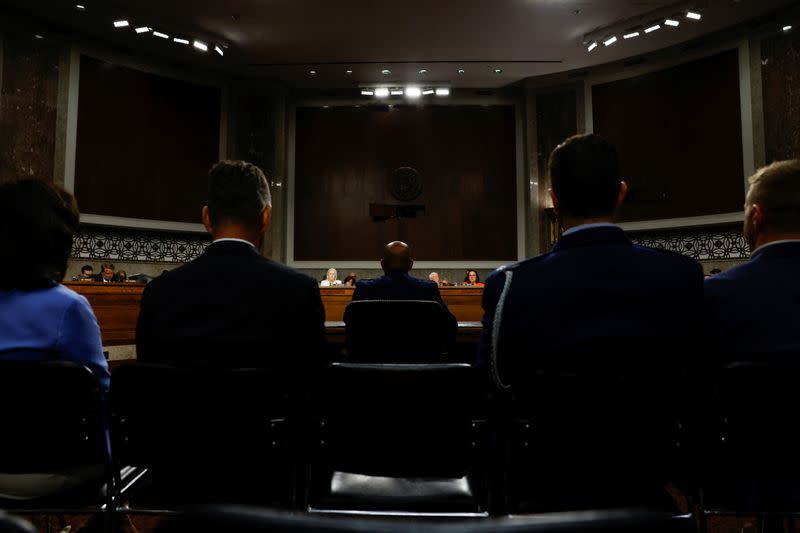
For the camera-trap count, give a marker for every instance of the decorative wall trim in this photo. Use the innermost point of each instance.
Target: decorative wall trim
(99, 243)
(720, 242)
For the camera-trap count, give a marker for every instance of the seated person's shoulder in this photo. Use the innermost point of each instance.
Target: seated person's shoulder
(669, 260)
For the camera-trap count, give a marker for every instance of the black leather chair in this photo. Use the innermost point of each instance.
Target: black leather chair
(53, 422)
(204, 435)
(11, 524)
(398, 438)
(605, 424)
(396, 331)
(751, 464)
(234, 519)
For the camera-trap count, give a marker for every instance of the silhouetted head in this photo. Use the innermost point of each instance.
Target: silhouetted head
(772, 207)
(397, 257)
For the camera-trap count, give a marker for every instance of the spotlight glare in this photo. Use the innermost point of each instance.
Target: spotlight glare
(121, 24)
(631, 35)
(142, 29)
(443, 91)
(161, 35)
(386, 72)
(80, 7)
(426, 92)
(413, 92)
(788, 27)
(218, 50)
(694, 16)
(397, 92)
(611, 40)
(652, 28)
(365, 92)
(592, 46)
(672, 22)
(181, 41)
(381, 92)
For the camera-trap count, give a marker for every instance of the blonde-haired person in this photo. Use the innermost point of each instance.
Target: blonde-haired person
(330, 279)
(754, 306)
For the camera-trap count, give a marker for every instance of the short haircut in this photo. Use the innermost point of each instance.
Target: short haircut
(585, 176)
(84, 268)
(776, 188)
(106, 265)
(37, 222)
(237, 192)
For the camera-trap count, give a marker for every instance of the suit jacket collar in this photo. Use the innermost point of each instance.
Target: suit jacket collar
(231, 247)
(590, 236)
(778, 250)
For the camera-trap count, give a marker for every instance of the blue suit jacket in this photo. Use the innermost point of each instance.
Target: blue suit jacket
(754, 308)
(594, 284)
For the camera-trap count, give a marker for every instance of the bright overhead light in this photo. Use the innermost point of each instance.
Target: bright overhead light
(381, 92)
(442, 91)
(386, 72)
(312, 72)
(80, 7)
(39, 36)
(592, 46)
(121, 23)
(498, 71)
(397, 92)
(787, 28)
(159, 34)
(694, 16)
(423, 71)
(461, 71)
(413, 92)
(631, 35)
(672, 22)
(652, 28)
(348, 72)
(181, 41)
(611, 40)
(142, 29)
(365, 92)
(218, 50)
(426, 92)
(200, 45)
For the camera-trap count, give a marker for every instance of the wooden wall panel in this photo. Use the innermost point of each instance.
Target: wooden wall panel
(679, 136)
(466, 158)
(145, 143)
(780, 78)
(28, 108)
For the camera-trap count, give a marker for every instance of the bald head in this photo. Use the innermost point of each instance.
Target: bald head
(397, 257)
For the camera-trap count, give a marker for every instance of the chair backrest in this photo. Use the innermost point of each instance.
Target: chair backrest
(395, 331)
(52, 417)
(408, 420)
(12, 524)
(167, 417)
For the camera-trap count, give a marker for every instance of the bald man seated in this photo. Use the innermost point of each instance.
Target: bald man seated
(398, 284)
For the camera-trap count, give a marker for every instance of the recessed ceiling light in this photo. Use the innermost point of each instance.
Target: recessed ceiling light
(39, 36)
(461, 71)
(181, 41)
(443, 91)
(218, 50)
(652, 28)
(382, 92)
(694, 16)
(121, 23)
(366, 92)
(159, 34)
(426, 92)
(312, 72)
(386, 72)
(787, 28)
(142, 29)
(631, 35)
(200, 45)
(413, 92)
(591, 46)
(423, 71)
(80, 7)
(348, 72)
(672, 22)
(397, 92)
(498, 70)
(611, 40)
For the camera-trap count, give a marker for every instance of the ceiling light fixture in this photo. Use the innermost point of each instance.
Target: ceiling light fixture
(611, 40)
(39, 36)
(80, 7)
(386, 72)
(423, 71)
(312, 72)
(591, 46)
(498, 71)
(366, 92)
(142, 29)
(181, 41)
(694, 16)
(652, 28)
(161, 35)
(200, 45)
(348, 72)
(218, 50)
(461, 71)
(443, 91)
(787, 28)
(631, 35)
(121, 23)
(381, 92)
(397, 92)
(413, 92)
(426, 92)
(672, 22)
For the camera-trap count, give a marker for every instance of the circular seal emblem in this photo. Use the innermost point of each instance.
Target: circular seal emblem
(405, 184)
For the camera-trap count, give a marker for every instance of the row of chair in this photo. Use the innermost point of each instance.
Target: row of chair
(407, 439)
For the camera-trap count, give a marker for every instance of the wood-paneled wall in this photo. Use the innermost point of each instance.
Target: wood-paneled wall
(28, 108)
(464, 154)
(780, 77)
(679, 136)
(145, 143)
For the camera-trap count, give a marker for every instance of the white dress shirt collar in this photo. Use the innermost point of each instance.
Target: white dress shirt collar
(233, 240)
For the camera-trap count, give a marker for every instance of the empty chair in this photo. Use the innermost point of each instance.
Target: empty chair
(398, 438)
(396, 331)
(205, 435)
(53, 427)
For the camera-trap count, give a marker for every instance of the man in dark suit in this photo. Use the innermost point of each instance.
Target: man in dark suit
(397, 284)
(595, 284)
(754, 307)
(266, 315)
(106, 274)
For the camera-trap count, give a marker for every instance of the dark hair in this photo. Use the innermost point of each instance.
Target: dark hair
(349, 278)
(237, 191)
(585, 176)
(84, 268)
(37, 221)
(477, 276)
(105, 266)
